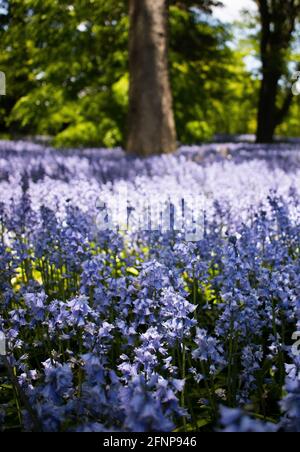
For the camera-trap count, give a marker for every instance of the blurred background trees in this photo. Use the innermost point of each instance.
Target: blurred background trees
(278, 19)
(67, 68)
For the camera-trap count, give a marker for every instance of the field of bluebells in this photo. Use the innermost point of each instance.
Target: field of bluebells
(143, 330)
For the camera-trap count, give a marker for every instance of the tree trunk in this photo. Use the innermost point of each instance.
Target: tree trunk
(278, 21)
(151, 119)
(267, 110)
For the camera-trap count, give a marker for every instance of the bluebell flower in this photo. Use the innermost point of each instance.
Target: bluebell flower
(236, 421)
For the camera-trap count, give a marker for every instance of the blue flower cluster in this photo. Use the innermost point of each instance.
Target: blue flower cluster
(142, 330)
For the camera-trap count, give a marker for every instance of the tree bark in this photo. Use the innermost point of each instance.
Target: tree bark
(267, 111)
(269, 84)
(151, 121)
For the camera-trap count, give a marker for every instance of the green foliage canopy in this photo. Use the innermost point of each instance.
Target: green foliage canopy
(66, 63)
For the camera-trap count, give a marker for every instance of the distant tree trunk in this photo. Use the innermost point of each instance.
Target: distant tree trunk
(267, 111)
(278, 22)
(151, 120)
